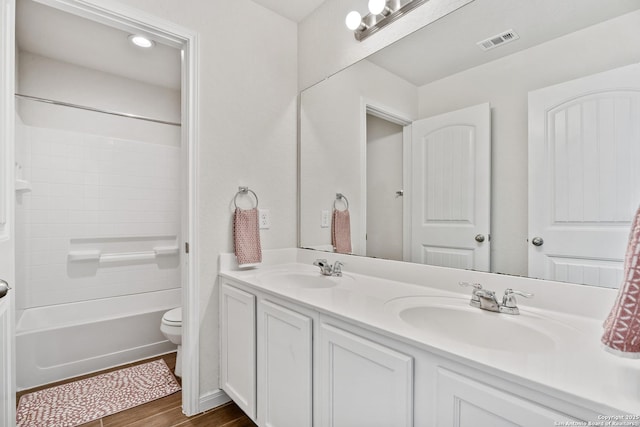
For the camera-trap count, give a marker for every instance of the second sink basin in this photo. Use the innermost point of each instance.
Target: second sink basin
(454, 319)
(298, 279)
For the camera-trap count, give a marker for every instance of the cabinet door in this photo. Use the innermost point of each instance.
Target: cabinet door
(363, 383)
(464, 402)
(238, 347)
(284, 367)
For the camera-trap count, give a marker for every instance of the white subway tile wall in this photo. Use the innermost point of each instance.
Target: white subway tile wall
(91, 192)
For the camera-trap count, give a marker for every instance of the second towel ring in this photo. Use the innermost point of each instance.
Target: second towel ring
(244, 190)
(340, 196)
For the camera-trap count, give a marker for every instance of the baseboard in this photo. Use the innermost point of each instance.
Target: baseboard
(213, 400)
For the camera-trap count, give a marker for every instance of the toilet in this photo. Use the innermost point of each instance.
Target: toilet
(171, 327)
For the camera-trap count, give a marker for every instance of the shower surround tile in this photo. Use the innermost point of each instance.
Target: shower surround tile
(101, 193)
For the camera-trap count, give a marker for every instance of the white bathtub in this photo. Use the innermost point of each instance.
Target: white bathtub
(66, 340)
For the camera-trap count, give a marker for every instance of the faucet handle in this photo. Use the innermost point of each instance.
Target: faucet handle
(337, 268)
(475, 299)
(475, 285)
(325, 267)
(509, 299)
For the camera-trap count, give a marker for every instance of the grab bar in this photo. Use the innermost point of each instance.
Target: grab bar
(95, 255)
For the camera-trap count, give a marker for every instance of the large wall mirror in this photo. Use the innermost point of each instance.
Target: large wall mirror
(497, 138)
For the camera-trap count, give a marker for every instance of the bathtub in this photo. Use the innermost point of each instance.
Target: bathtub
(66, 340)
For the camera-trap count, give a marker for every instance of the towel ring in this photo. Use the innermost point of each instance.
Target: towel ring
(242, 191)
(340, 196)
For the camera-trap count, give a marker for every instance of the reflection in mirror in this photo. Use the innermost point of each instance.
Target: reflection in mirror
(557, 51)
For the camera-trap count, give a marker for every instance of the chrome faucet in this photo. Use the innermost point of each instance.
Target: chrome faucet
(327, 270)
(486, 299)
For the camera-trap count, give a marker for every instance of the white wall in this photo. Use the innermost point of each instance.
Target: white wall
(48, 78)
(505, 83)
(333, 127)
(247, 105)
(326, 46)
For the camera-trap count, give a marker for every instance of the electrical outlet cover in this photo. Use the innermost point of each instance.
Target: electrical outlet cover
(264, 218)
(324, 221)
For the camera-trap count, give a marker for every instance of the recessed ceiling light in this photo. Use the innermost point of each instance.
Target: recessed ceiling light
(141, 41)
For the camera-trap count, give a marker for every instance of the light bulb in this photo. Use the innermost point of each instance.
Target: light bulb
(353, 21)
(376, 7)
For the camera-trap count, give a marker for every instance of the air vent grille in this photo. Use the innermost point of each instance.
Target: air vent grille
(498, 40)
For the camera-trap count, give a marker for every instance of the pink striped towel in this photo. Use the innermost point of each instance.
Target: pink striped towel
(622, 327)
(246, 237)
(341, 231)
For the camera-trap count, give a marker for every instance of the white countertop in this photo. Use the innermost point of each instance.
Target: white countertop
(577, 365)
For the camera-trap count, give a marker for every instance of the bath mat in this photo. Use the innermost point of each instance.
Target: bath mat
(86, 400)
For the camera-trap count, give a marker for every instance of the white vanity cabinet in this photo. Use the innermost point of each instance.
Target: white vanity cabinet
(238, 347)
(284, 367)
(362, 382)
(266, 358)
(287, 364)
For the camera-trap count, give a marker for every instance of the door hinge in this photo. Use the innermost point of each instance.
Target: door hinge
(186, 247)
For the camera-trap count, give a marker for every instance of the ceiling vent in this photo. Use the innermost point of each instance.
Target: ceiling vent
(498, 40)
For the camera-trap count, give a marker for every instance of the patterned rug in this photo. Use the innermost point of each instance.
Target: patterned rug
(86, 400)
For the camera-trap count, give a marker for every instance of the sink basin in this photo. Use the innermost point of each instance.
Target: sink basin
(303, 280)
(454, 319)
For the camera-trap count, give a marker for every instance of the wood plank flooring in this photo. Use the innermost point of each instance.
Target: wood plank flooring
(164, 412)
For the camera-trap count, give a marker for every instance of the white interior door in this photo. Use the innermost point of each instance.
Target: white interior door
(7, 252)
(584, 180)
(451, 187)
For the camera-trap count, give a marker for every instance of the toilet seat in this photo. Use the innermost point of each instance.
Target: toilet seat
(173, 317)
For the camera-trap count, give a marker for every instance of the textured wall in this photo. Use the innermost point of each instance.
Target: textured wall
(247, 103)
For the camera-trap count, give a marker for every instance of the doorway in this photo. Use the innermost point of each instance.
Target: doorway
(384, 189)
(183, 155)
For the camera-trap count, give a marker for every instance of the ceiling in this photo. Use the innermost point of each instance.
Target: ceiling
(52, 33)
(295, 10)
(448, 45)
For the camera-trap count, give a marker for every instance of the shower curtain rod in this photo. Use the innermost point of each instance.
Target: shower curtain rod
(95, 110)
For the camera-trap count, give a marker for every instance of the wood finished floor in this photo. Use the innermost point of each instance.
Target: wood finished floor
(164, 412)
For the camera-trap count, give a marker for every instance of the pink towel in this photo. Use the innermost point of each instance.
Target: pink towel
(246, 237)
(341, 231)
(622, 327)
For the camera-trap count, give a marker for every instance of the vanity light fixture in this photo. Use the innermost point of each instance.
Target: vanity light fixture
(381, 13)
(141, 41)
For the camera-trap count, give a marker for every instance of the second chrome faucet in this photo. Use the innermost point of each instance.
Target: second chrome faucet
(486, 299)
(327, 270)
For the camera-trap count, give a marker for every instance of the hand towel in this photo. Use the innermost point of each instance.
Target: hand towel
(246, 237)
(341, 231)
(622, 326)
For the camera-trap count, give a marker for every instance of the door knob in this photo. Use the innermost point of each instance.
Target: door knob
(537, 241)
(4, 288)
(479, 238)
(399, 193)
